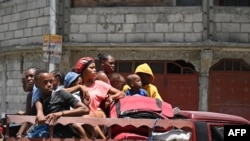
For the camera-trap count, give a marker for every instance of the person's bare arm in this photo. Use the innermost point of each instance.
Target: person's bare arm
(102, 76)
(72, 89)
(116, 94)
(84, 92)
(85, 97)
(79, 110)
(40, 118)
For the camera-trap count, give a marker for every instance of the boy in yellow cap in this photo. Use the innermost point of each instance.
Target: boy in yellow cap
(147, 77)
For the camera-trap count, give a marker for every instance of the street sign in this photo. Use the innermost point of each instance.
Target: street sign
(52, 48)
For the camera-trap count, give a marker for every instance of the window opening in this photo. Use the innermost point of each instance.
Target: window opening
(217, 133)
(231, 65)
(139, 63)
(124, 67)
(228, 65)
(180, 67)
(236, 66)
(123, 3)
(232, 2)
(157, 68)
(173, 68)
(188, 2)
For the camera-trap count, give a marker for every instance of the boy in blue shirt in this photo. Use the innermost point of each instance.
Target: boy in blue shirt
(135, 84)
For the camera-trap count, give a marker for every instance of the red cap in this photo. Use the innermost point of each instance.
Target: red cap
(82, 64)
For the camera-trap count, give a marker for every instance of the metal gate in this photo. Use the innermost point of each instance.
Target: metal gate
(177, 81)
(229, 87)
(181, 85)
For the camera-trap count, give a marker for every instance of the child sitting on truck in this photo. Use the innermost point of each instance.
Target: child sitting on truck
(135, 84)
(147, 77)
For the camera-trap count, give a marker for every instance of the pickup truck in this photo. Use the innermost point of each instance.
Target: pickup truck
(194, 126)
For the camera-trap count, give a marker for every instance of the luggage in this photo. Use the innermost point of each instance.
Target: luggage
(138, 107)
(141, 107)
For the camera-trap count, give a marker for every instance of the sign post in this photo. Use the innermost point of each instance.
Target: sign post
(52, 48)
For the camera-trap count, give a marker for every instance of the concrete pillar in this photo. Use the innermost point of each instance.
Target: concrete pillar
(66, 5)
(3, 93)
(206, 59)
(207, 9)
(210, 19)
(205, 19)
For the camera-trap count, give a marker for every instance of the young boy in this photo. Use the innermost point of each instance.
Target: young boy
(135, 84)
(55, 103)
(147, 77)
(117, 80)
(71, 81)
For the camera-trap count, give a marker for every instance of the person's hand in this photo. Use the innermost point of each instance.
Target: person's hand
(53, 117)
(40, 119)
(108, 101)
(20, 113)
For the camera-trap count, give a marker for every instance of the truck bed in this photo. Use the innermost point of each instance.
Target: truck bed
(110, 123)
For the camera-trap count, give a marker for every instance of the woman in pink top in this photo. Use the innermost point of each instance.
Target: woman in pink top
(97, 89)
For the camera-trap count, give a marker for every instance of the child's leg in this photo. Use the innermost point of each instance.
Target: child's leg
(99, 131)
(98, 114)
(80, 130)
(22, 130)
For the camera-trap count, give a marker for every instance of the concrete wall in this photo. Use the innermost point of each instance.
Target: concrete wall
(136, 24)
(12, 66)
(22, 26)
(23, 22)
(231, 24)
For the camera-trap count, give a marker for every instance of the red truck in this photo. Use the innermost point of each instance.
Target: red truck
(187, 125)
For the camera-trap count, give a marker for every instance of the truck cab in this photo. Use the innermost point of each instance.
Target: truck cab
(209, 126)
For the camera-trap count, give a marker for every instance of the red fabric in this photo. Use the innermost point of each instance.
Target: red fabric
(1, 129)
(130, 136)
(141, 103)
(81, 64)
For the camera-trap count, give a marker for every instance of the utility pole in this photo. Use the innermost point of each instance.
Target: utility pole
(52, 27)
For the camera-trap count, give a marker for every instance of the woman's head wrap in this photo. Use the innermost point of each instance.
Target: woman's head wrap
(83, 63)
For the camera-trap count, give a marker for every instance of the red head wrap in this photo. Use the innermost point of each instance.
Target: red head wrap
(83, 63)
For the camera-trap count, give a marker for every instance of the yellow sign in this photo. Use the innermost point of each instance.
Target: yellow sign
(52, 48)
